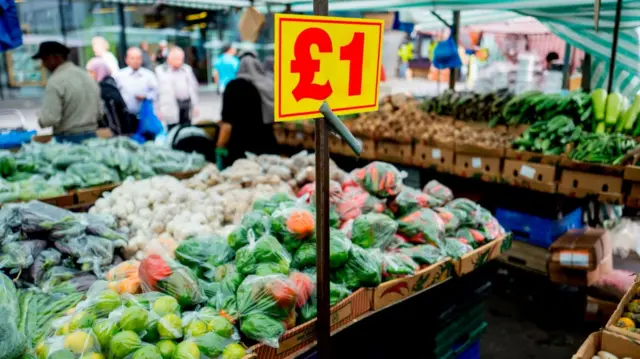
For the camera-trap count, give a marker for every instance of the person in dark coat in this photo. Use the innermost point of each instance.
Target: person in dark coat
(247, 111)
(115, 114)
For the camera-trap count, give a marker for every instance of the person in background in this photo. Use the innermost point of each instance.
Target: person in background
(405, 53)
(101, 49)
(114, 109)
(178, 90)
(135, 82)
(146, 59)
(225, 67)
(551, 57)
(163, 51)
(71, 103)
(247, 111)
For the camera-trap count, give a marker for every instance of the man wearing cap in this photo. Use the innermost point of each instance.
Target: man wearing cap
(71, 103)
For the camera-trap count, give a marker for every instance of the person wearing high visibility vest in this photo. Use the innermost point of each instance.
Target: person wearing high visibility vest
(405, 53)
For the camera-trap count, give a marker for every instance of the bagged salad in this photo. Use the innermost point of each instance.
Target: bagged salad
(264, 255)
(379, 178)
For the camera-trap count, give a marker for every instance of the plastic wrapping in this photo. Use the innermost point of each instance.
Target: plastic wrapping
(373, 230)
(45, 260)
(438, 190)
(396, 265)
(410, 200)
(270, 205)
(17, 256)
(265, 303)
(308, 191)
(162, 274)
(307, 307)
(379, 178)
(362, 269)
(625, 238)
(13, 342)
(256, 221)
(454, 248)
(470, 236)
(92, 174)
(424, 254)
(339, 246)
(124, 278)
(263, 256)
(203, 254)
(293, 225)
(451, 221)
(356, 202)
(423, 226)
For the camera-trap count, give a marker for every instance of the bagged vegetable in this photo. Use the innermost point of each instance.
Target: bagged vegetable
(124, 278)
(397, 265)
(265, 303)
(13, 342)
(308, 191)
(307, 304)
(256, 221)
(17, 256)
(410, 200)
(379, 178)
(362, 269)
(424, 254)
(270, 205)
(339, 246)
(293, 225)
(44, 260)
(438, 190)
(423, 226)
(454, 248)
(451, 221)
(470, 236)
(373, 230)
(263, 256)
(204, 254)
(160, 273)
(356, 202)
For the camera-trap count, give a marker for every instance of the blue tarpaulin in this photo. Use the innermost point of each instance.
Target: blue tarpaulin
(10, 33)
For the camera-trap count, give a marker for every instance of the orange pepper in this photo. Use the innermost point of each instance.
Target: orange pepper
(301, 222)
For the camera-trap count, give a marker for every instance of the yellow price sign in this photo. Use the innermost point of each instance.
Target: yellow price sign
(329, 59)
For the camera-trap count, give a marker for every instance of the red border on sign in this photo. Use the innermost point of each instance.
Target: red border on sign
(280, 115)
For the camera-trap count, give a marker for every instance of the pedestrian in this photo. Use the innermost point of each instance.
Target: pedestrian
(225, 67)
(116, 117)
(178, 90)
(247, 111)
(146, 59)
(71, 103)
(136, 83)
(101, 49)
(163, 51)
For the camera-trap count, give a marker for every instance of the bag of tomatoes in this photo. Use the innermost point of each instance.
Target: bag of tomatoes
(266, 307)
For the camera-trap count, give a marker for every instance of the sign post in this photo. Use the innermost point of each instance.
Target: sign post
(325, 66)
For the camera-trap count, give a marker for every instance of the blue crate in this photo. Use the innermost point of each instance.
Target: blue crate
(471, 352)
(535, 230)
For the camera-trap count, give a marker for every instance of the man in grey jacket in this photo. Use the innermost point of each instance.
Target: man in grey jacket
(178, 90)
(71, 103)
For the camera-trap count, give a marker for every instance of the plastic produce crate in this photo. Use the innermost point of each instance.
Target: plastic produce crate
(537, 230)
(472, 352)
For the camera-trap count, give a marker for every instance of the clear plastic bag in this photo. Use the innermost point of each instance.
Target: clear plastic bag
(13, 342)
(362, 269)
(438, 190)
(380, 179)
(397, 265)
(373, 230)
(256, 221)
(308, 191)
(423, 226)
(45, 260)
(424, 254)
(339, 246)
(18, 256)
(265, 304)
(162, 274)
(203, 254)
(292, 225)
(410, 200)
(124, 278)
(307, 304)
(263, 256)
(356, 202)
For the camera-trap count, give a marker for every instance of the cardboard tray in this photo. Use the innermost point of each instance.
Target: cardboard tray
(632, 173)
(294, 138)
(616, 344)
(303, 336)
(526, 256)
(598, 310)
(535, 176)
(633, 197)
(532, 157)
(611, 324)
(474, 259)
(63, 201)
(440, 159)
(484, 168)
(90, 195)
(479, 150)
(400, 289)
(581, 184)
(602, 169)
(394, 152)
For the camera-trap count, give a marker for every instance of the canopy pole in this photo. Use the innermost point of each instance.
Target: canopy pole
(123, 33)
(566, 66)
(455, 33)
(586, 72)
(614, 46)
(323, 326)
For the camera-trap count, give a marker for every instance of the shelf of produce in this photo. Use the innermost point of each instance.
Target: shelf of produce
(401, 153)
(297, 340)
(535, 176)
(630, 324)
(476, 258)
(86, 196)
(579, 184)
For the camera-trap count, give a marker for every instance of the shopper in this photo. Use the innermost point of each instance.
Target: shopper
(101, 49)
(146, 59)
(225, 67)
(163, 51)
(116, 117)
(71, 103)
(178, 90)
(135, 82)
(247, 111)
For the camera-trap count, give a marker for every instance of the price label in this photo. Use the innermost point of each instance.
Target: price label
(436, 154)
(527, 171)
(325, 59)
(476, 162)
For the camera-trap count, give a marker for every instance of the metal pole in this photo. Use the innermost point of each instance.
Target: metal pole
(123, 34)
(63, 30)
(586, 73)
(323, 325)
(455, 32)
(614, 48)
(566, 66)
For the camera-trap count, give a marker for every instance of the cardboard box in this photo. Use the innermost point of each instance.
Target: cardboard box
(281, 135)
(335, 145)
(400, 289)
(479, 150)
(91, 195)
(401, 153)
(633, 198)
(294, 138)
(250, 24)
(534, 157)
(63, 201)
(526, 256)
(433, 157)
(620, 309)
(581, 184)
(303, 336)
(632, 173)
(309, 141)
(530, 175)
(484, 168)
(598, 310)
(613, 343)
(474, 259)
(580, 257)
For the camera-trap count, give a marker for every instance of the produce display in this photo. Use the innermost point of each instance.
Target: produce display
(630, 319)
(549, 137)
(469, 106)
(47, 170)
